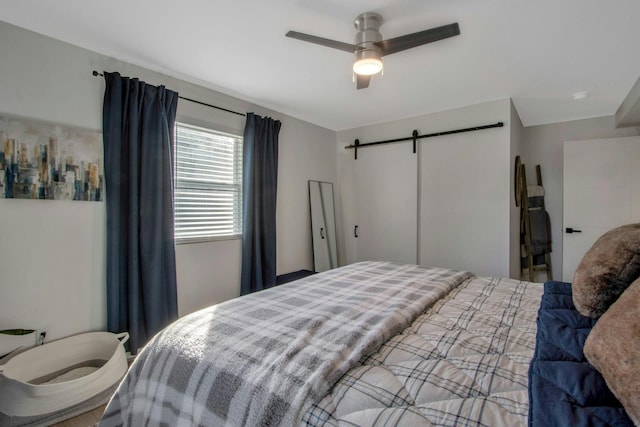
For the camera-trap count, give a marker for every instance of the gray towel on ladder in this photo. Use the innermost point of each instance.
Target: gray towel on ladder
(540, 236)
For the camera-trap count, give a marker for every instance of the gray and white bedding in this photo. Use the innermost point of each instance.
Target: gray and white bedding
(374, 343)
(464, 362)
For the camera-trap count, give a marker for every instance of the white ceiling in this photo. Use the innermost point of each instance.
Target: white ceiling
(538, 53)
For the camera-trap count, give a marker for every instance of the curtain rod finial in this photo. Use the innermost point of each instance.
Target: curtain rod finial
(96, 74)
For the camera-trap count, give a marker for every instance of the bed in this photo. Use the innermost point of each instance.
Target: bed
(387, 344)
(373, 343)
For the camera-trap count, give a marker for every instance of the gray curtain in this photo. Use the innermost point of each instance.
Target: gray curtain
(259, 185)
(138, 126)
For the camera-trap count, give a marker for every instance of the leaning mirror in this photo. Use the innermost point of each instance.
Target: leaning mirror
(323, 226)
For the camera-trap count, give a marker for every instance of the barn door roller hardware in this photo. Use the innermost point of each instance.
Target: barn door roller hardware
(414, 137)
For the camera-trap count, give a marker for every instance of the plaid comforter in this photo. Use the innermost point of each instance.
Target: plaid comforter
(464, 362)
(266, 358)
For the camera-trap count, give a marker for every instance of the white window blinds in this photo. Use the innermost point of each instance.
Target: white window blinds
(208, 184)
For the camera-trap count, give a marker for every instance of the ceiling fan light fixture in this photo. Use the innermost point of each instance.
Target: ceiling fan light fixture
(369, 48)
(367, 63)
(367, 66)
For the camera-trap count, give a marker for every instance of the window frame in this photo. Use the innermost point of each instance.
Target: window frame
(238, 147)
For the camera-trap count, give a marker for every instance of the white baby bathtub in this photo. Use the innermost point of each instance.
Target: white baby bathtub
(58, 375)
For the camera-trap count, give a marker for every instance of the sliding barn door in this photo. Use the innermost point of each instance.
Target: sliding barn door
(464, 202)
(385, 195)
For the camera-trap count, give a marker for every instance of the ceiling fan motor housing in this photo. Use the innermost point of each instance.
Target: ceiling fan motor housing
(368, 25)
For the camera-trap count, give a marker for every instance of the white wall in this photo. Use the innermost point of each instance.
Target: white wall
(304, 155)
(517, 131)
(455, 234)
(52, 252)
(543, 145)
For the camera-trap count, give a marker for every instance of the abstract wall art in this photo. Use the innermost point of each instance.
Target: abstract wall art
(40, 160)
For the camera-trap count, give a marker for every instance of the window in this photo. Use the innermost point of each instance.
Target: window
(208, 184)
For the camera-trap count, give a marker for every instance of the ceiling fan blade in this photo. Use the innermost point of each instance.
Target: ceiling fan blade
(408, 41)
(322, 41)
(362, 82)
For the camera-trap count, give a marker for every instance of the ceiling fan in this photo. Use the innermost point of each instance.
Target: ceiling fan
(369, 48)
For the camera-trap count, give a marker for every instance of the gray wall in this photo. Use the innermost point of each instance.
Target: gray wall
(52, 252)
(543, 145)
(52, 270)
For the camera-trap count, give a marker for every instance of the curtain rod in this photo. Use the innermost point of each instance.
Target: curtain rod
(415, 137)
(96, 74)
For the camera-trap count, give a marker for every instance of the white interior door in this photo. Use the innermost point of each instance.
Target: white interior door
(386, 203)
(601, 191)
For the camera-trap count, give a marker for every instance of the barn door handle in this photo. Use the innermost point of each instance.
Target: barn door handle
(355, 231)
(322, 232)
(570, 230)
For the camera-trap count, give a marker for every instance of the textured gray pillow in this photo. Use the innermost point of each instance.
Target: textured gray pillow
(613, 348)
(606, 270)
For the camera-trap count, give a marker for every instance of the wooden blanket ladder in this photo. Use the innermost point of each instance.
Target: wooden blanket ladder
(535, 229)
